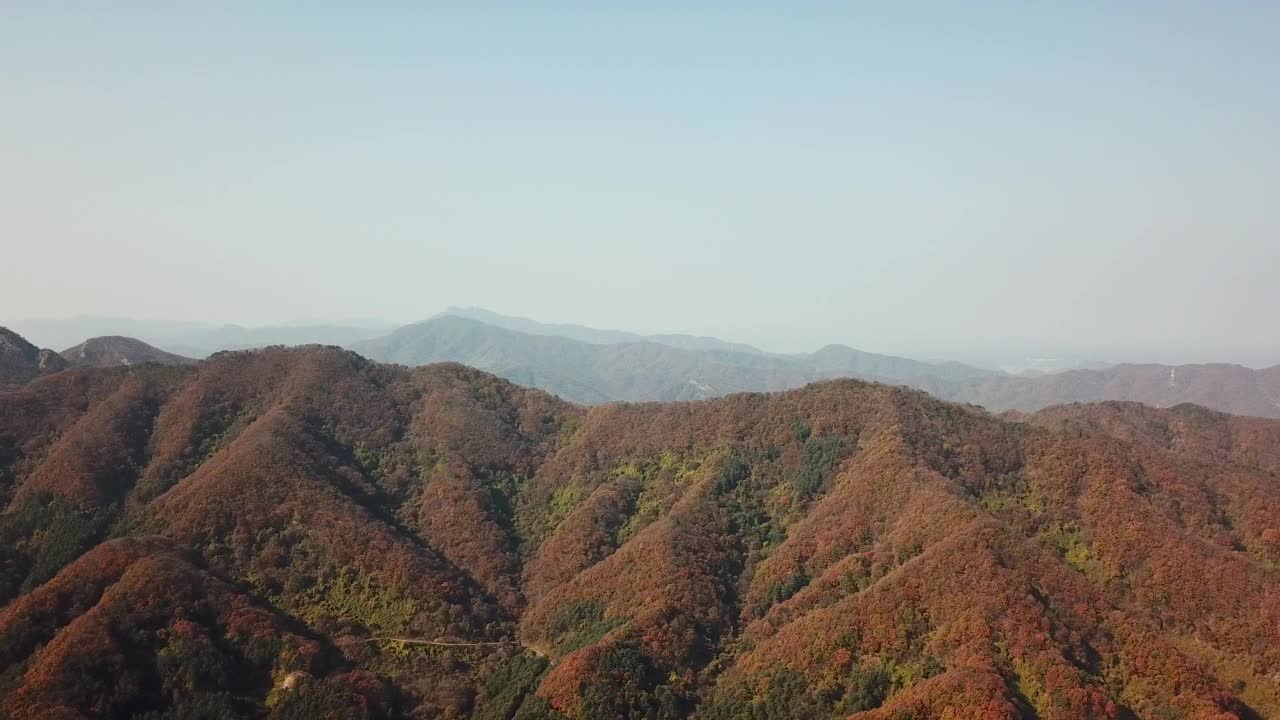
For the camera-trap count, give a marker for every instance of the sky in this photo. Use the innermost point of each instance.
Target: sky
(909, 177)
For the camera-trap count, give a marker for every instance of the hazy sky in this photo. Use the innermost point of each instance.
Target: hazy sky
(898, 176)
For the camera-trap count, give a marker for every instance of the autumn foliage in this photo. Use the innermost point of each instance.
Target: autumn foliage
(294, 533)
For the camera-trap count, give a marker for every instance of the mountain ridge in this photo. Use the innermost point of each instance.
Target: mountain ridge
(651, 370)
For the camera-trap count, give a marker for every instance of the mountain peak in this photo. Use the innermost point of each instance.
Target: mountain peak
(113, 350)
(21, 361)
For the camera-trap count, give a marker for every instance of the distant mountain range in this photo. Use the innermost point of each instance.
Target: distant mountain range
(634, 370)
(590, 365)
(583, 371)
(196, 339)
(1230, 388)
(647, 369)
(597, 336)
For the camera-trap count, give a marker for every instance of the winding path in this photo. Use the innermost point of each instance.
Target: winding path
(441, 643)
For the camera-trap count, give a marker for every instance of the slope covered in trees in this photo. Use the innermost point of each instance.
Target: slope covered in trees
(296, 533)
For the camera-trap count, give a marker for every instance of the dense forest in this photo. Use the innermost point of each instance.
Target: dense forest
(303, 533)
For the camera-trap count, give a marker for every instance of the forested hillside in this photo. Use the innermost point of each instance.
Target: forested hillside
(302, 533)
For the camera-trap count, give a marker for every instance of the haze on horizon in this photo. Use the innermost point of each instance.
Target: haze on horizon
(1093, 178)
